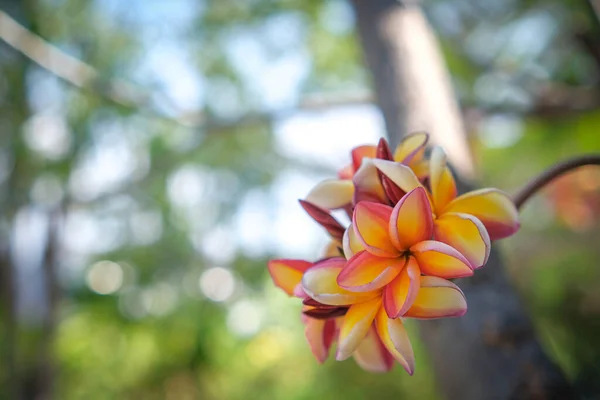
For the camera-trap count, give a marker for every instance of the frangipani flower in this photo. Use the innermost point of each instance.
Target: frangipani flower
(371, 185)
(360, 181)
(397, 250)
(492, 207)
(467, 222)
(409, 234)
(357, 154)
(322, 322)
(365, 330)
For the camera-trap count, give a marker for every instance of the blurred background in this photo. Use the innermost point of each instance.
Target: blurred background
(151, 156)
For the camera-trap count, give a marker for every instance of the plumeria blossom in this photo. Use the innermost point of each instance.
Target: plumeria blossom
(366, 319)
(397, 250)
(371, 185)
(359, 300)
(360, 180)
(409, 234)
(467, 222)
(492, 207)
(321, 322)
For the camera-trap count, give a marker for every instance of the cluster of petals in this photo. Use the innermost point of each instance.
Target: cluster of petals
(409, 234)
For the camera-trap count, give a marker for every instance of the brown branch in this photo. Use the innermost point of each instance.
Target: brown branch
(552, 173)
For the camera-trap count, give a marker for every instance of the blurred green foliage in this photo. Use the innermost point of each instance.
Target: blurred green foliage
(158, 335)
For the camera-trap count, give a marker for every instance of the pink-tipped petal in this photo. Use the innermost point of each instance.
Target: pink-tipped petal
(439, 259)
(351, 243)
(400, 294)
(371, 355)
(492, 207)
(325, 219)
(355, 325)
(438, 298)
(287, 274)
(411, 221)
(371, 222)
(394, 337)
(383, 150)
(320, 283)
(466, 234)
(331, 194)
(367, 185)
(299, 291)
(441, 181)
(360, 153)
(365, 272)
(392, 191)
(412, 148)
(399, 174)
(319, 335)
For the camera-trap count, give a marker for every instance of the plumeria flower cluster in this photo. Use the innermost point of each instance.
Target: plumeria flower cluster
(409, 235)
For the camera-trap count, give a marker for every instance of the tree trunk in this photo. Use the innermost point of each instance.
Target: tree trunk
(492, 352)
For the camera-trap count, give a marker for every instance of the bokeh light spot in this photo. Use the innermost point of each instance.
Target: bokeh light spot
(217, 284)
(105, 277)
(245, 318)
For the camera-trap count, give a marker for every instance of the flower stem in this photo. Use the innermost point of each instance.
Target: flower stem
(552, 173)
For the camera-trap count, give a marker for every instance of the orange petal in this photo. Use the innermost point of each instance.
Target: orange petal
(371, 222)
(355, 325)
(361, 152)
(399, 174)
(319, 335)
(441, 181)
(320, 283)
(492, 207)
(412, 148)
(347, 172)
(438, 259)
(438, 298)
(331, 194)
(367, 185)
(286, 274)
(466, 234)
(351, 243)
(411, 221)
(365, 272)
(421, 169)
(371, 355)
(324, 218)
(395, 339)
(399, 295)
